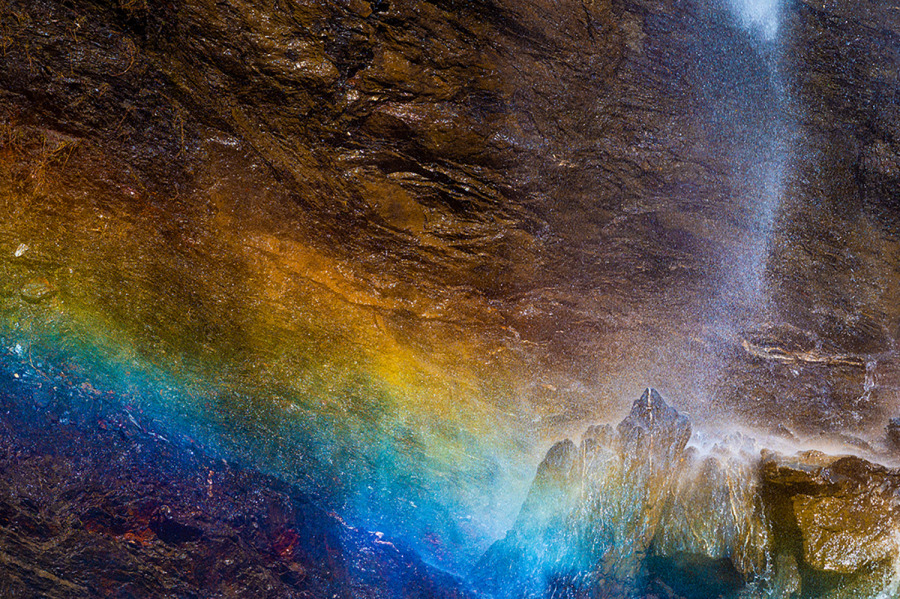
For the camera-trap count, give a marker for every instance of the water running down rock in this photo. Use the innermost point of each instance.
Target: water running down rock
(639, 512)
(385, 253)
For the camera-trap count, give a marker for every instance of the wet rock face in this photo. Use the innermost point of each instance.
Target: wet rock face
(96, 503)
(848, 513)
(637, 512)
(594, 510)
(320, 212)
(514, 169)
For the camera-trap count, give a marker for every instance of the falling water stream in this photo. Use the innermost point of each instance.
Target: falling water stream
(652, 498)
(760, 17)
(372, 279)
(763, 144)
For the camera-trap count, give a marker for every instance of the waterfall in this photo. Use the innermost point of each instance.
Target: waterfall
(765, 148)
(761, 15)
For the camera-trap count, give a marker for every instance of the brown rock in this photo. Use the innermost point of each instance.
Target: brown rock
(843, 534)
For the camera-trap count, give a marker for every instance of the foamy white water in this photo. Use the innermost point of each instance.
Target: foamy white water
(761, 15)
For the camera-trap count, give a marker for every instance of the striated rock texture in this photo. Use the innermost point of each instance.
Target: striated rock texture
(545, 179)
(96, 503)
(637, 512)
(846, 509)
(381, 248)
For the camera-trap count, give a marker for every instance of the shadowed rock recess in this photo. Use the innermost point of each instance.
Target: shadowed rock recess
(378, 255)
(637, 512)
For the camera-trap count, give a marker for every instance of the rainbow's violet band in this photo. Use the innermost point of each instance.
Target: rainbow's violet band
(265, 350)
(216, 319)
(394, 444)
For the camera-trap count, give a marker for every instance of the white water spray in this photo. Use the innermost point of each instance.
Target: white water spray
(765, 144)
(760, 15)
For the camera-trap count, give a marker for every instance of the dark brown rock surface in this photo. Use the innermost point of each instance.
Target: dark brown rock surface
(444, 231)
(556, 179)
(96, 503)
